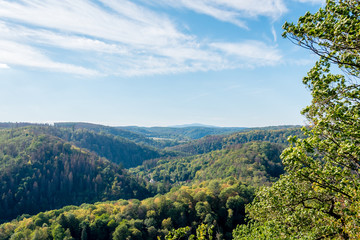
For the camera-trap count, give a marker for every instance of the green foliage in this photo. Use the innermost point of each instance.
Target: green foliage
(196, 210)
(41, 172)
(45, 167)
(256, 163)
(319, 197)
(121, 232)
(212, 143)
(116, 149)
(58, 232)
(332, 33)
(114, 131)
(204, 232)
(260, 231)
(178, 234)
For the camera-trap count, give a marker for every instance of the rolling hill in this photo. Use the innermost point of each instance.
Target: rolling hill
(218, 142)
(40, 171)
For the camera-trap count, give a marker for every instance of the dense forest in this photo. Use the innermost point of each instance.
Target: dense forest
(40, 172)
(217, 142)
(47, 167)
(255, 163)
(116, 149)
(219, 204)
(119, 132)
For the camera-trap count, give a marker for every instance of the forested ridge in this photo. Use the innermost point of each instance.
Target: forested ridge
(116, 149)
(218, 142)
(40, 172)
(134, 136)
(255, 163)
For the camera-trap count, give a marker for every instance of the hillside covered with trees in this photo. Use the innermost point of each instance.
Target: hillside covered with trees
(116, 149)
(208, 191)
(40, 172)
(218, 142)
(219, 204)
(46, 167)
(255, 163)
(123, 132)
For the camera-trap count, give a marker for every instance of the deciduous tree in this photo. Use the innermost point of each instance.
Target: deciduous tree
(319, 197)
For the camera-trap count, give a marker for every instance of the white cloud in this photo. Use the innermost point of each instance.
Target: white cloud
(85, 18)
(252, 52)
(312, 1)
(3, 66)
(210, 9)
(269, 8)
(233, 11)
(273, 32)
(17, 54)
(120, 37)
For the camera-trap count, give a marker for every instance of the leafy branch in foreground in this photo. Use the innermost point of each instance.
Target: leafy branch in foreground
(319, 197)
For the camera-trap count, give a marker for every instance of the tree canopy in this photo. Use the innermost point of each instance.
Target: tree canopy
(318, 198)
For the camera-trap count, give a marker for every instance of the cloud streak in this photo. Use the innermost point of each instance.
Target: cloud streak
(253, 52)
(123, 38)
(17, 54)
(313, 1)
(233, 11)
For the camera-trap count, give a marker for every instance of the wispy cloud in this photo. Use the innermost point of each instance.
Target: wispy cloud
(312, 1)
(87, 18)
(123, 38)
(17, 54)
(273, 32)
(254, 52)
(233, 11)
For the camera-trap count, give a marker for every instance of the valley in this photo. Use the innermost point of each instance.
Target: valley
(75, 179)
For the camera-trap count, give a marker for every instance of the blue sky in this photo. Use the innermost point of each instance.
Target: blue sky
(152, 63)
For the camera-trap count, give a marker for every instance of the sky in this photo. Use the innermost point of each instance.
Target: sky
(153, 62)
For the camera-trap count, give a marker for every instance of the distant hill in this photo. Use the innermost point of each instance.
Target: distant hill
(185, 133)
(193, 125)
(134, 136)
(39, 171)
(19, 124)
(102, 140)
(116, 149)
(253, 157)
(217, 142)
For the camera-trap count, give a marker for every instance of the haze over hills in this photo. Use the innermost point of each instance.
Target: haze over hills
(192, 125)
(180, 134)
